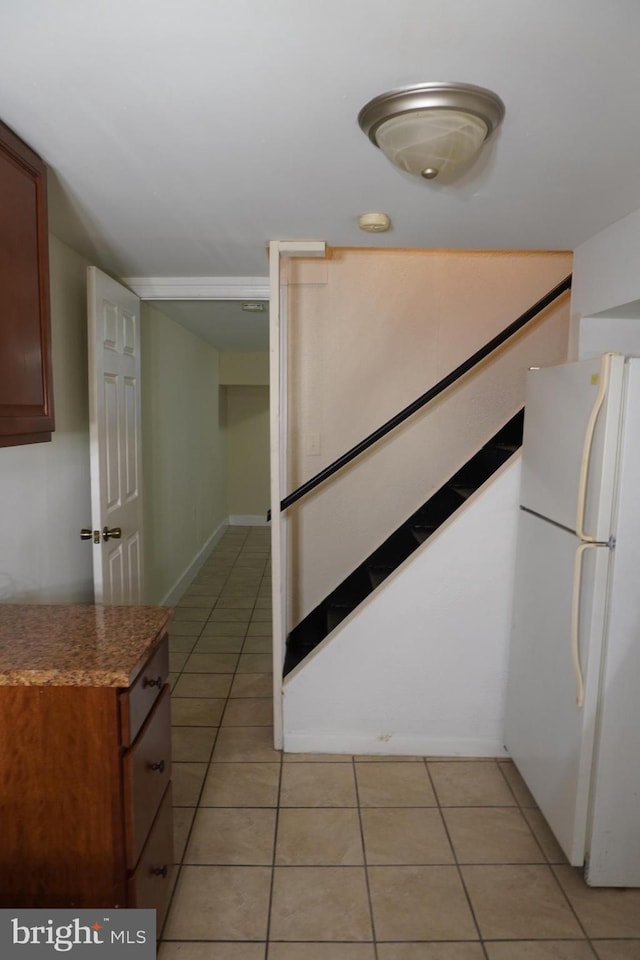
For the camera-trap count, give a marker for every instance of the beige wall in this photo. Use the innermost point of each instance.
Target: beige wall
(184, 449)
(247, 422)
(44, 487)
(245, 377)
(251, 369)
(369, 331)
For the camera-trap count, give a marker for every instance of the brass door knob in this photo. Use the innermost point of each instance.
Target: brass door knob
(111, 534)
(86, 534)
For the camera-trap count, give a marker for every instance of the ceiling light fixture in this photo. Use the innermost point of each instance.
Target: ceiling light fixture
(432, 129)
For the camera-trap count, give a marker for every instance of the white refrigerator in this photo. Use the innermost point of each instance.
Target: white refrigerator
(573, 697)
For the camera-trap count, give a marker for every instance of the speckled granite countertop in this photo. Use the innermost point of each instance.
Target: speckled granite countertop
(76, 645)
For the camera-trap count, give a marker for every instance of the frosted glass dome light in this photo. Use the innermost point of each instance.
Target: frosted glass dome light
(432, 129)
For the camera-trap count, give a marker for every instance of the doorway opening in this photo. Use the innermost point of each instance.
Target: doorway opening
(205, 403)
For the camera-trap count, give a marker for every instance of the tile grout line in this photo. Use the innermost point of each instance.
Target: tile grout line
(365, 861)
(273, 864)
(277, 809)
(455, 859)
(275, 834)
(197, 806)
(548, 863)
(520, 809)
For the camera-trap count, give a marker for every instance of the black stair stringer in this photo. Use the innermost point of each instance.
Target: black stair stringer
(407, 538)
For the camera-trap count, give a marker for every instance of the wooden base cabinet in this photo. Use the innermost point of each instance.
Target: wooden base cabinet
(85, 793)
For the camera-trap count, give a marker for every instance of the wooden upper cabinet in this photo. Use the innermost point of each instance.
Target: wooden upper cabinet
(26, 390)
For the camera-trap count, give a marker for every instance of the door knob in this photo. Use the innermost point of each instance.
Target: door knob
(86, 534)
(111, 534)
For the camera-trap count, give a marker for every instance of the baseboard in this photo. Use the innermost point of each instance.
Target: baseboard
(401, 746)
(248, 520)
(189, 574)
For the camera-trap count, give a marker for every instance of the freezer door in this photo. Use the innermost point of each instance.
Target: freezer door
(550, 736)
(558, 409)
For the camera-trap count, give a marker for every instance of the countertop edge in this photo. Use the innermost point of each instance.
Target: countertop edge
(67, 675)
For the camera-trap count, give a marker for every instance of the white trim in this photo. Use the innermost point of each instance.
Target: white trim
(181, 584)
(410, 746)
(278, 456)
(199, 288)
(248, 520)
(278, 582)
(302, 248)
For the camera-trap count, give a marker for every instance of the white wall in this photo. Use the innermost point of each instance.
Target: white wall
(44, 487)
(606, 280)
(420, 667)
(184, 453)
(369, 331)
(605, 272)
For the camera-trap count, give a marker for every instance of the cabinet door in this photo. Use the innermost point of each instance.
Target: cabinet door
(26, 395)
(147, 771)
(150, 884)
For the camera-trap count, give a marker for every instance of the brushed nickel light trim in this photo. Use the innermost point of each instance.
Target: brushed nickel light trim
(462, 98)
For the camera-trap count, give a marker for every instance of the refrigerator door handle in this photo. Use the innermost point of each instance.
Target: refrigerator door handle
(575, 619)
(588, 444)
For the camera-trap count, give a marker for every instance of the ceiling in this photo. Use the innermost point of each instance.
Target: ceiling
(222, 323)
(182, 136)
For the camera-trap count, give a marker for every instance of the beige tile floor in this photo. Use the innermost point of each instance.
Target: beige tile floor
(347, 858)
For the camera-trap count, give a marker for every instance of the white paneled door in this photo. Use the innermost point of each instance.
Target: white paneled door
(115, 440)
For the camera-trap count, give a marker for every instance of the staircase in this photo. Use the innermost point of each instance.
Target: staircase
(367, 577)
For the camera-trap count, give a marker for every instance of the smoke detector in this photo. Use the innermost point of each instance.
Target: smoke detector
(374, 222)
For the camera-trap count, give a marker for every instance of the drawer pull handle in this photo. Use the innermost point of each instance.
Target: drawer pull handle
(160, 871)
(152, 683)
(157, 766)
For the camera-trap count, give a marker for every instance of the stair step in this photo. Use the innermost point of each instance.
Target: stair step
(337, 612)
(511, 433)
(507, 447)
(422, 531)
(463, 492)
(379, 572)
(475, 472)
(394, 550)
(295, 655)
(440, 506)
(495, 455)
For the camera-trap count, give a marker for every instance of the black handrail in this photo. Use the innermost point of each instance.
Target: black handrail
(439, 388)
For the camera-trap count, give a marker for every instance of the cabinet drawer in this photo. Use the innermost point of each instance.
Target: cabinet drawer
(150, 885)
(136, 702)
(147, 771)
